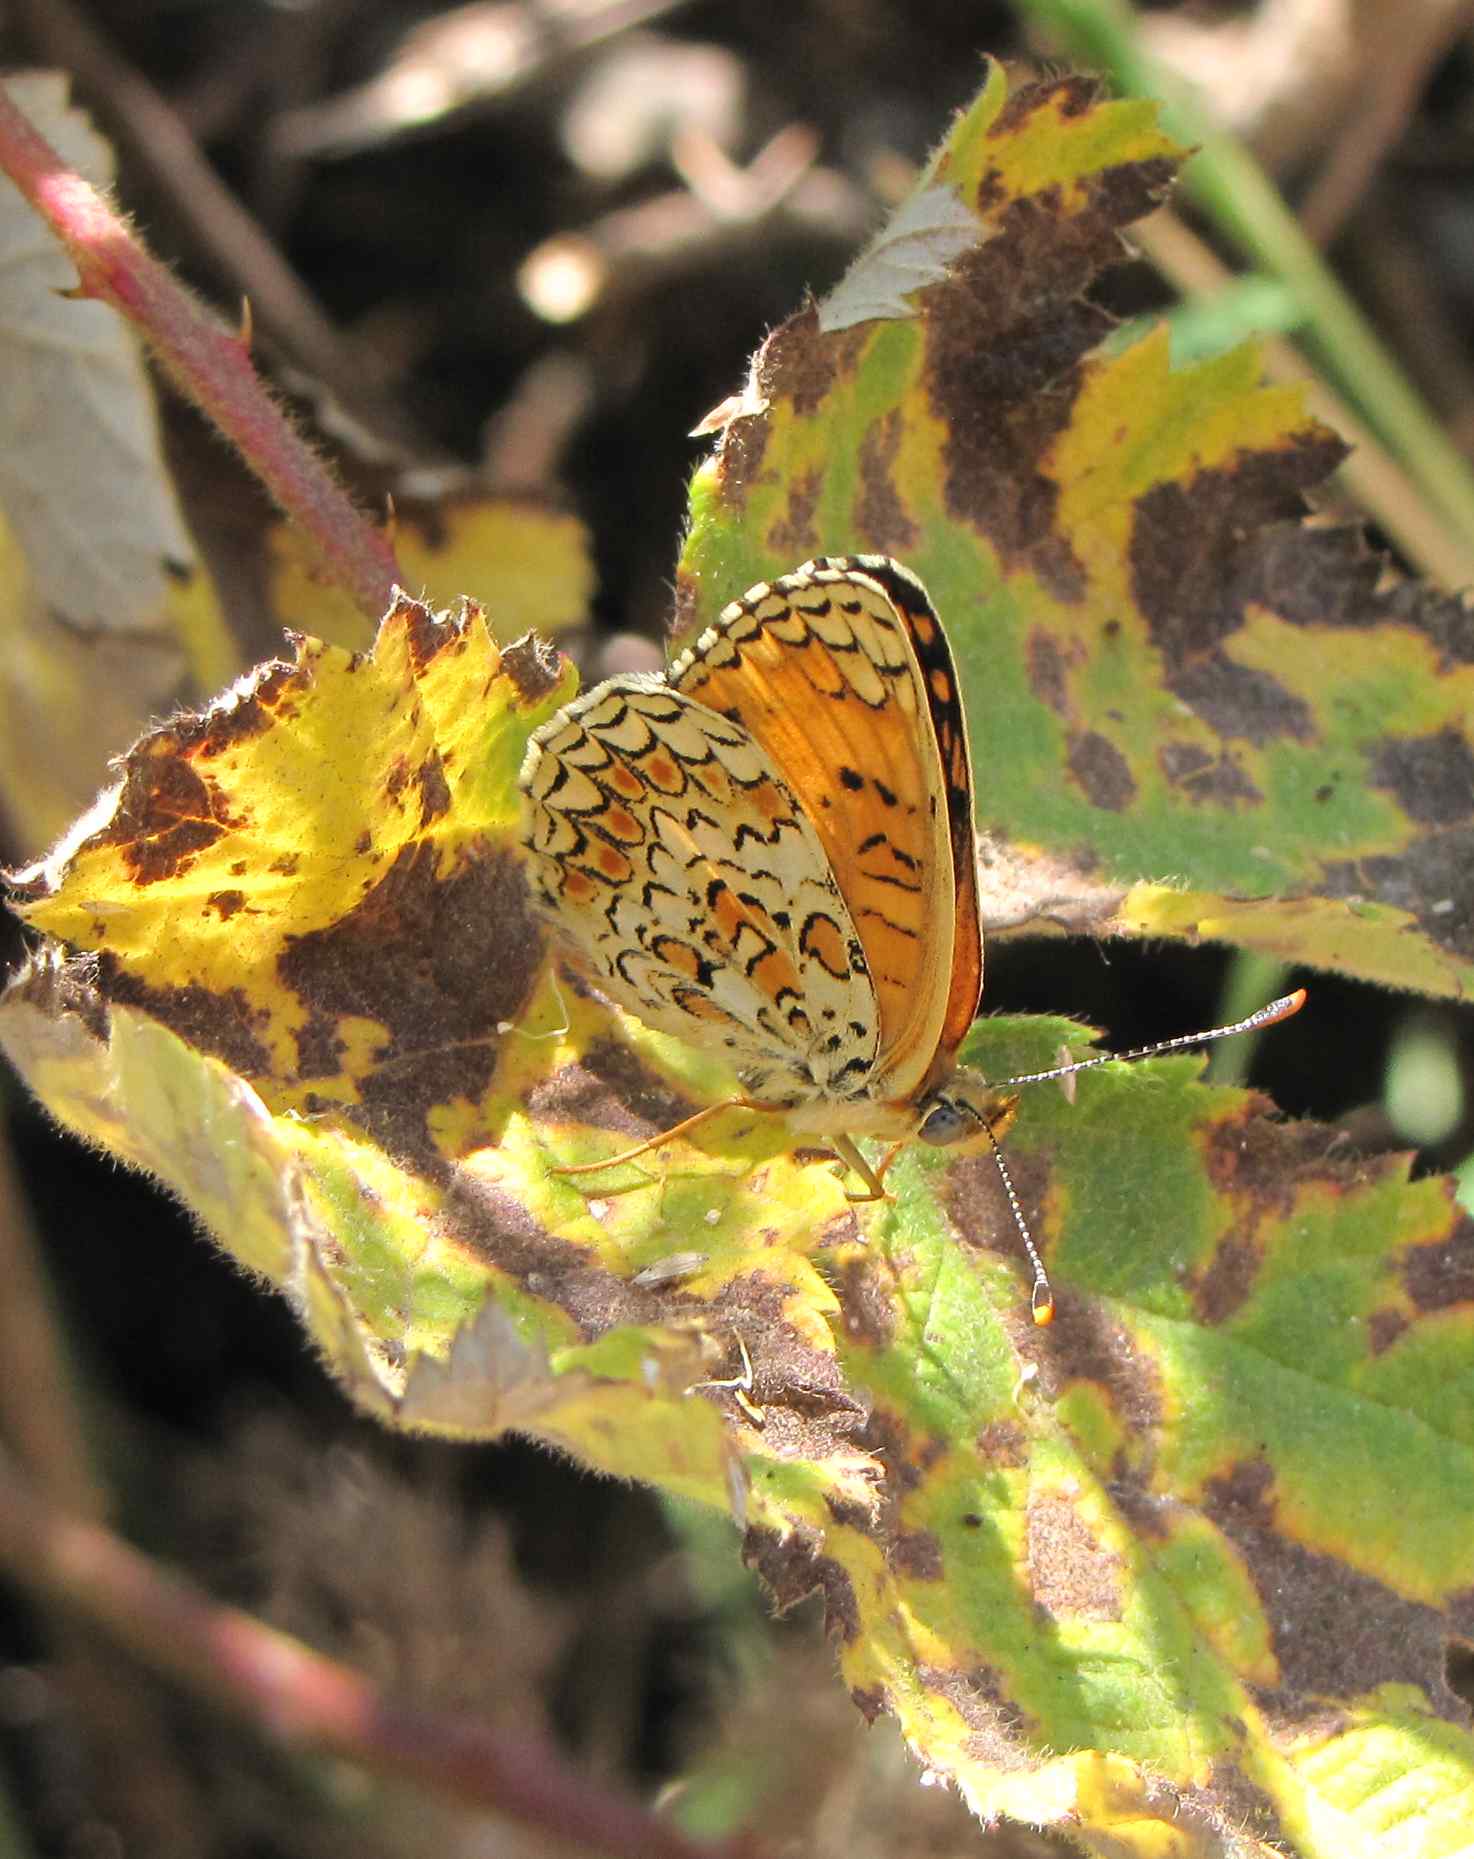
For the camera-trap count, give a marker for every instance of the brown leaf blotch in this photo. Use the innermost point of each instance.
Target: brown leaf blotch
(438, 962)
(886, 1435)
(498, 1228)
(1233, 1809)
(167, 813)
(870, 1701)
(793, 536)
(849, 1513)
(1440, 1275)
(916, 1555)
(794, 1566)
(434, 790)
(1198, 547)
(1445, 620)
(320, 1045)
(425, 633)
(1000, 1727)
(1432, 879)
(1103, 773)
(224, 1024)
(1093, 1347)
(611, 1089)
(1002, 408)
(808, 1410)
(740, 461)
(1384, 1327)
(1259, 1163)
(977, 1208)
(1067, 95)
(1335, 1631)
(880, 516)
(58, 984)
(1002, 1443)
(1203, 778)
(270, 695)
(867, 1307)
(1046, 665)
(1431, 777)
(1072, 1574)
(1238, 701)
(533, 667)
(1228, 1281)
(799, 364)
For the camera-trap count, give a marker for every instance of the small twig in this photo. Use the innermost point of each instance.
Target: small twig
(42, 1424)
(719, 213)
(209, 366)
(1411, 41)
(462, 59)
(159, 142)
(308, 1701)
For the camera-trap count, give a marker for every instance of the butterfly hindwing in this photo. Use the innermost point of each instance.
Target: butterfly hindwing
(684, 868)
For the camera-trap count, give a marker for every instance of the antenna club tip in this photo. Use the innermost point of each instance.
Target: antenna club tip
(1043, 1307)
(1294, 1002)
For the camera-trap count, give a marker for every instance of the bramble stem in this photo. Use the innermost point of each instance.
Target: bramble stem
(210, 366)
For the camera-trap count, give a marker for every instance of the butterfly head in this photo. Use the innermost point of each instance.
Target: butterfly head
(965, 1105)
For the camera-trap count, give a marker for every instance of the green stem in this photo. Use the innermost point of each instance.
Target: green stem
(1252, 980)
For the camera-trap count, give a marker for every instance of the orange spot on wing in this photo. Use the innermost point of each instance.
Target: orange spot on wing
(775, 975)
(729, 915)
(769, 801)
(623, 824)
(677, 955)
(822, 940)
(702, 1007)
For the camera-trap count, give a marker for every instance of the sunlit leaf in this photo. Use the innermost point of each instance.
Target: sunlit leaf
(1191, 715)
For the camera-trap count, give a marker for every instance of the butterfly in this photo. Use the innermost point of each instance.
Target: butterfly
(769, 851)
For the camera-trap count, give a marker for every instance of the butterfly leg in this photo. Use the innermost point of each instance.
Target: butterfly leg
(665, 1136)
(848, 1151)
(890, 1155)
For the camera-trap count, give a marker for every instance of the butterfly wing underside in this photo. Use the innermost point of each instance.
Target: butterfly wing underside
(842, 674)
(683, 868)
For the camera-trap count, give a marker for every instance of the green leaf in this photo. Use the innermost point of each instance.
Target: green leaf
(1190, 715)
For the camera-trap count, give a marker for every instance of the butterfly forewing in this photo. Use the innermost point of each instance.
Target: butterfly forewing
(954, 759)
(841, 673)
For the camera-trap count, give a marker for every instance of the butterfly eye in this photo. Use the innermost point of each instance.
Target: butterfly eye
(945, 1123)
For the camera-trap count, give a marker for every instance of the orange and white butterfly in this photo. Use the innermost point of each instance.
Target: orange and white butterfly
(769, 851)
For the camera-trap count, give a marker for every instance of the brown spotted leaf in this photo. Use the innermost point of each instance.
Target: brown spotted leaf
(1192, 1560)
(1190, 715)
(1184, 1573)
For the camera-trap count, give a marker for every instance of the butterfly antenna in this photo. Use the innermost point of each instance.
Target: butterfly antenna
(1266, 1016)
(1042, 1300)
